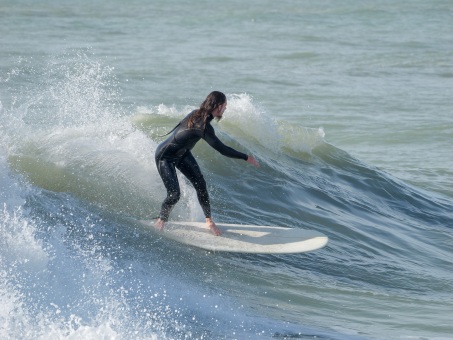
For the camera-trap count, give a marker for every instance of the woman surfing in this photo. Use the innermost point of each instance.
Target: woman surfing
(175, 153)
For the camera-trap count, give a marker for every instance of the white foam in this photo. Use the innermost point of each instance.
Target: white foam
(19, 246)
(256, 127)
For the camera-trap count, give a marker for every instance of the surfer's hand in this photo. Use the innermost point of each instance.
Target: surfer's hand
(253, 161)
(210, 223)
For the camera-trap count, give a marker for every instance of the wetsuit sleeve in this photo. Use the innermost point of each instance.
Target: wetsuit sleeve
(215, 142)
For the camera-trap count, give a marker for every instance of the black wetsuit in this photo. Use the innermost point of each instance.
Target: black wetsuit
(174, 152)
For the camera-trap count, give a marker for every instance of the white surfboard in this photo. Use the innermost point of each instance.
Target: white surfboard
(240, 238)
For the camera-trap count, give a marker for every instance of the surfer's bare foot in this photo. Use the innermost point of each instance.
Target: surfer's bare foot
(159, 224)
(210, 223)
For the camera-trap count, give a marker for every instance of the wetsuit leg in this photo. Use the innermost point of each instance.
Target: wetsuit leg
(167, 172)
(189, 167)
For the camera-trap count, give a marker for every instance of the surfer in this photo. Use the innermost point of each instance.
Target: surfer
(175, 153)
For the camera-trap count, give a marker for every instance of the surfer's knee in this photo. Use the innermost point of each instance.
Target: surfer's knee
(200, 184)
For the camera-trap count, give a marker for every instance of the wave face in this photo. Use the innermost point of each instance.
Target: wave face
(76, 164)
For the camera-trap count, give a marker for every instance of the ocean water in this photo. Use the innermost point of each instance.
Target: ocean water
(346, 105)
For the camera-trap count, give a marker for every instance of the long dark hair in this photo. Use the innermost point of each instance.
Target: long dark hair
(212, 102)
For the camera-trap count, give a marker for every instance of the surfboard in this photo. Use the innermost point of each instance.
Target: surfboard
(239, 238)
